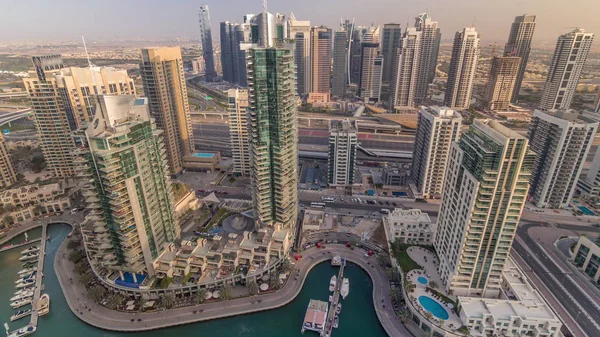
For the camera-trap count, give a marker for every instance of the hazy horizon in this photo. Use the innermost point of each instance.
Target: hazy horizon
(67, 20)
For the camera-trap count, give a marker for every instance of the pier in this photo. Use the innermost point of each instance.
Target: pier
(3, 249)
(327, 329)
(39, 278)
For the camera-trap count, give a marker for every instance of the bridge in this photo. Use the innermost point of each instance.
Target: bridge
(14, 115)
(13, 94)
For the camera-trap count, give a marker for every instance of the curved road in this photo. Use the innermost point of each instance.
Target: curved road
(104, 318)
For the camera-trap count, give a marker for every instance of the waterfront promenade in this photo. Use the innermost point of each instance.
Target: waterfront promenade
(39, 279)
(101, 317)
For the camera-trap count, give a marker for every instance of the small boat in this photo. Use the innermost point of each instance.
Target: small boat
(332, 283)
(24, 331)
(336, 321)
(336, 261)
(26, 289)
(345, 288)
(31, 249)
(43, 305)
(22, 295)
(29, 264)
(27, 277)
(20, 314)
(30, 256)
(20, 303)
(26, 283)
(338, 309)
(26, 271)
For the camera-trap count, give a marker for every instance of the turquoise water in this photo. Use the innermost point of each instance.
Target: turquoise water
(422, 279)
(204, 155)
(586, 210)
(357, 318)
(433, 307)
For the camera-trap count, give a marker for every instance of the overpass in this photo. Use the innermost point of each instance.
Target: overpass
(13, 94)
(15, 115)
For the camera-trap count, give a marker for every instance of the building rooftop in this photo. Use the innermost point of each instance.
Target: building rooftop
(409, 215)
(441, 112)
(563, 116)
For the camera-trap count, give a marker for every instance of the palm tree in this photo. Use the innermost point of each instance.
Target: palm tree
(428, 315)
(201, 296)
(274, 281)
(167, 300)
(113, 301)
(404, 316)
(38, 209)
(433, 284)
(389, 273)
(442, 321)
(286, 266)
(86, 279)
(395, 293)
(252, 288)
(96, 293)
(82, 268)
(226, 292)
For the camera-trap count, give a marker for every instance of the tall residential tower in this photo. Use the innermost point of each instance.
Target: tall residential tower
(320, 50)
(503, 77)
(238, 130)
(206, 42)
(299, 31)
(519, 45)
(390, 42)
(463, 64)
(428, 54)
(343, 141)
(340, 66)
(406, 70)
(8, 176)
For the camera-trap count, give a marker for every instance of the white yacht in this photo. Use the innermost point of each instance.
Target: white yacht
(332, 283)
(20, 303)
(20, 314)
(26, 277)
(22, 295)
(26, 283)
(27, 271)
(43, 305)
(345, 288)
(336, 261)
(31, 249)
(24, 331)
(336, 321)
(30, 256)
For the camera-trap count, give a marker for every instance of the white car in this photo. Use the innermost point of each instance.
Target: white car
(74, 210)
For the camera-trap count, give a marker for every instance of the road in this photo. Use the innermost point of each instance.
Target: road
(575, 301)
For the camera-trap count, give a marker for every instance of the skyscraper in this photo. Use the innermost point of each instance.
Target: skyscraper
(8, 176)
(164, 85)
(428, 54)
(567, 62)
(273, 130)
(519, 45)
(128, 189)
(463, 64)
(390, 42)
(437, 129)
(228, 52)
(206, 42)
(562, 141)
(276, 30)
(238, 130)
(504, 73)
(343, 140)
(62, 102)
(354, 54)
(300, 32)
(320, 51)
(406, 70)
(369, 86)
(340, 59)
(484, 192)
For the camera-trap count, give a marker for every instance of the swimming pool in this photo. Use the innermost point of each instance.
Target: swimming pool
(422, 280)
(204, 155)
(434, 307)
(586, 210)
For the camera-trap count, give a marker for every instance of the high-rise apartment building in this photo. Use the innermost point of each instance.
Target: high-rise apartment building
(484, 192)
(62, 102)
(390, 42)
(343, 141)
(299, 31)
(128, 189)
(43, 63)
(206, 43)
(406, 70)
(233, 57)
(340, 66)
(276, 29)
(565, 69)
(428, 54)
(597, 104)
(519, 45)
(320, 50)
(164, 85)
(504, 73)
(273, 129)
(437, 129)
(371, 73)
(463, 65)
(8, 176)
(238, 130)
(354, 60)
(562, 141)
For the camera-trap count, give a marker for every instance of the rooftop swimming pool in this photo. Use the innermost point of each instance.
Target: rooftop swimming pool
(586, 210)
(422, 279)
(204, 155)
(434, 307)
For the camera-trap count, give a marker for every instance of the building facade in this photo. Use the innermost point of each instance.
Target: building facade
(238, 130)
(273, 129)
(565, 69)
(8, 176)
(504, 73)
(206, 43)
(428, 54)
(463, 65)
(562, 140)
(437, 129)
(62, 102)
(371, 73)
(519, 45)
(128, 189)
(484, 192)
(44, 63)
(390, 42)
(407, 71)
(164, 85)
(343, 141)
(410, 226)
(300, 32)
(320, 51)
(340, 59)
(232, 35)
(586, 256)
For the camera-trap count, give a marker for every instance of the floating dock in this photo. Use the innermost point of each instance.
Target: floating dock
(315, 317)
(329, 323)
(9, 247)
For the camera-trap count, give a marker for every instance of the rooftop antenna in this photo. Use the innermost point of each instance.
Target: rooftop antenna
(87, 55)
(474, 19)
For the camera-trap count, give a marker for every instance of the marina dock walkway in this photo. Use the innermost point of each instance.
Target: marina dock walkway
(328, 327)
(39, 279)
(19, 245)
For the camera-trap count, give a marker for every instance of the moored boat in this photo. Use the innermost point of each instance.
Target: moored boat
(336, 321)
(22, 295)
(27, 271)
(20, 303)
(26, 283)
(20, 314)
(30, 256)
(31, 249)
(332, 283)
(43, 305)
(24, 331)
(338, 308)
(345, 288)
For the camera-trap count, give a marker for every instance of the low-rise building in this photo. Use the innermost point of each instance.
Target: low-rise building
(409, 226)
(396, 176)
(586, 256)
(204, 161)
(30, 201)
(520, 310)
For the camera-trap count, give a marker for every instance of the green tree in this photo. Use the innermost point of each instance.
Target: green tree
(8, 220)
(433, 284)
(76, 255)
(73, 244)
(38, 163)
(82, 267)
(274, 281)
(38, 209)
(86, 279)
(253, 288)
(226, 292)
(113, 301)
(201, 296)
(395, 293)
(404, 316)
(286, 265)
(96, 293)
(167, 300)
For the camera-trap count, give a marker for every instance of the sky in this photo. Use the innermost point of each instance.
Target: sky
(62, 20)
